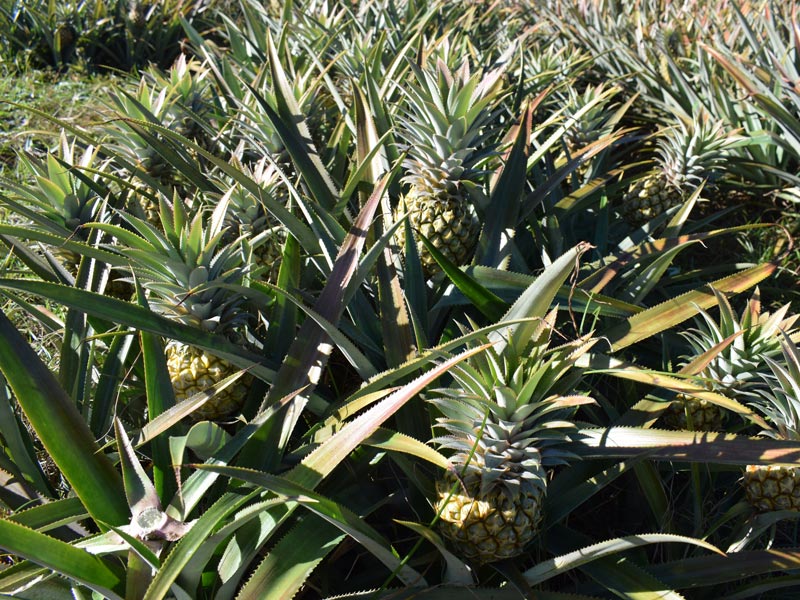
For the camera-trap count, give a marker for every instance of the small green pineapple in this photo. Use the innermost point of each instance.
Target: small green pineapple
(736, 370)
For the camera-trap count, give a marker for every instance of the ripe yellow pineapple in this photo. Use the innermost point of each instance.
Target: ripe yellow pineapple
(444, 130)
(504, 419)
(186, 271)
(773, 486)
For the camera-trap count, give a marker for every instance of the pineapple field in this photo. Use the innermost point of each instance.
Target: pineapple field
(390, 299)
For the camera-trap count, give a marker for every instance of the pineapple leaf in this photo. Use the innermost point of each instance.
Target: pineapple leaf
(62, 558)
(61, 428)
(676, 310)
(456, 573)
(139, 490)
(291, 560)
(566, 562)
(687, 446)
(331, 511)
(535, 302)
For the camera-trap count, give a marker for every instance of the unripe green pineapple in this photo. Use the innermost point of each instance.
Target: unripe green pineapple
(693, 414)
(735, 371)
(443, 130)
(589, 115)
(504, 419)
(777, 487)
(687, 155)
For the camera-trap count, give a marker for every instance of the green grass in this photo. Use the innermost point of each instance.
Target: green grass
(74, 97)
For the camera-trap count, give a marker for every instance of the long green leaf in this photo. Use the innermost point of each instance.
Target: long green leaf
(703, 571)
(61, 429)
(62, 558)
(190, 543)
(310, 349)
(321, 462)
(289, 563)
(676, 310)
(332, 512)
(561, 564)
(535, 302)
(688, 446)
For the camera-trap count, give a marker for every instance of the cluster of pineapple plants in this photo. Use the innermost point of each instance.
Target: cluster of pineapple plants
(407, 299)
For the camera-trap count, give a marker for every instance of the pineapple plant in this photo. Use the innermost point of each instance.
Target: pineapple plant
(65, 198)
(186, 270)
(176, 102)
(735, 371)
(592, 113)
(444, 131)
(61, 198)
(248, 218)
(504, 419)
(687, 155)
(775, 486)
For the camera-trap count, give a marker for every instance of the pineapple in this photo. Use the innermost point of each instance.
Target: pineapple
(592, 114)
(777, 487)
(64, 201)
(735, 370)
(504, 419)
(186, 271)
(176, 103)
(444, 131)
(248, 218)
(687, 155)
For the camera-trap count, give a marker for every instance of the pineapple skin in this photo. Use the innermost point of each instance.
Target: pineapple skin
(450, 223)
(772, 487)
(488, 527)
(648, 198)
(704, 415)
(192, 370)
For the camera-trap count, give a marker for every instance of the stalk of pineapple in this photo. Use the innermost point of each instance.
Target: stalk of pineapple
(736, 370)
(185, 267)
(444, 130)
(686, 156)
(777, 487)
(505, 418)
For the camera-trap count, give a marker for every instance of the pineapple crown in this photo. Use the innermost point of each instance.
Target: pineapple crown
(737, 367)
(694, 151)
(190, 272)
(591, 112)
(175, 101)
(780, 399)
(446, 121)
(66, 194)
(508, 413)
